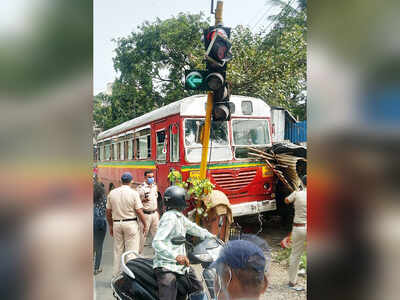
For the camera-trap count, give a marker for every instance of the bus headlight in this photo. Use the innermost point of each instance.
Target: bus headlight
(266, 171)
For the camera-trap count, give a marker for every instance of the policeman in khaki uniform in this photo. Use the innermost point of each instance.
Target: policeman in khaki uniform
(148, 192)
(123, 209)
(299, 231)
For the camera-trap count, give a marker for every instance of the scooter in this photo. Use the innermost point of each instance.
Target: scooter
(138, 282)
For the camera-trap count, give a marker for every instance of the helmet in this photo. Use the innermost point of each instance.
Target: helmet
(174, 197)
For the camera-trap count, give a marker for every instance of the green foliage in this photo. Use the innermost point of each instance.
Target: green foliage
(152, 60)
(282, 254)
(303, 261)
(199, 187)
(175, 177)
(272, 65)
(195, 187)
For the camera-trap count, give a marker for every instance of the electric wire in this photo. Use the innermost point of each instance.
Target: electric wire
(278, 16)
(262, 17)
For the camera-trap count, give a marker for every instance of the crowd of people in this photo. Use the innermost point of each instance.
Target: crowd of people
(132, 213)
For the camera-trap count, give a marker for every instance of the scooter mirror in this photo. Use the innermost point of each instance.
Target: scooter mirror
(178, 240)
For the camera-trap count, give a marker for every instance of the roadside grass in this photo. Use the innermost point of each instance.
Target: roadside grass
(283, 255)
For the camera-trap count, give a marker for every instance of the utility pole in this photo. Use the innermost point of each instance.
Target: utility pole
(209, 107)
(213, 79)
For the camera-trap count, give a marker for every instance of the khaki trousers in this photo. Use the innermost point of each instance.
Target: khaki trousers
(126, 238)
(299, 235)
(151, 225)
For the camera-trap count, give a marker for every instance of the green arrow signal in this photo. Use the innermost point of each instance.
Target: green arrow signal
(194, 80)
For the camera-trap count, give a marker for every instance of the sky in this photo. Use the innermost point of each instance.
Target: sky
(118, 18)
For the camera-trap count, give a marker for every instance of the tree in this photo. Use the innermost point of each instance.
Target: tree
(152, 61)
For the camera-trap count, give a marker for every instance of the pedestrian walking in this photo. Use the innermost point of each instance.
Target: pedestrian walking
(148, 192)
(123, 210)
(170, 261)
(299, 230)
(99, 223)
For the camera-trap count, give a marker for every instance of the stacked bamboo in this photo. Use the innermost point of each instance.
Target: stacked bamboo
(284, 166)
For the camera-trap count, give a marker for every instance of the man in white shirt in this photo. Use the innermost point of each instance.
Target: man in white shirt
(148, 193)
(299, 230)
(122, 209)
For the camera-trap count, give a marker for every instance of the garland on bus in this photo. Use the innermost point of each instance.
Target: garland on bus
(196, 187)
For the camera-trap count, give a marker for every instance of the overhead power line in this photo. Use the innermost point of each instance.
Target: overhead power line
(262, 17)
(278, 16)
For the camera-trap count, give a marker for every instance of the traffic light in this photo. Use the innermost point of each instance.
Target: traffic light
(195, 80)
(217, 45)
(202, 80)
(222, 111)
(218, 53)
(215, 80)
(222, 107)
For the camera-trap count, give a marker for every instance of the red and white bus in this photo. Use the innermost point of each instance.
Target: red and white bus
(169, 137)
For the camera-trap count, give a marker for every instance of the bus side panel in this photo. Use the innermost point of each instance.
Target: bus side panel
(110, 176)
(163, 169)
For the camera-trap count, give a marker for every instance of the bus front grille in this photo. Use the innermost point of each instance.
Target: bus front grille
(234, 180)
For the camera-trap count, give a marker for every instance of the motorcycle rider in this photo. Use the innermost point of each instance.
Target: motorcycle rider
(170, 260)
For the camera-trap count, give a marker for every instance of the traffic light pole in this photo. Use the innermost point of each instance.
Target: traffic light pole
(207, 122)
(206, 136)
(209, 107)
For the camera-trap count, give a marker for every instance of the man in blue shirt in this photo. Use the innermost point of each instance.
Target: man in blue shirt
(170, 261)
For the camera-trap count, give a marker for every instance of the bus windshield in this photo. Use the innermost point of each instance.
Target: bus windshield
(248, 132)
(219, 147)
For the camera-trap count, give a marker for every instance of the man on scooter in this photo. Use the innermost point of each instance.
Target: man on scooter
(170, 260)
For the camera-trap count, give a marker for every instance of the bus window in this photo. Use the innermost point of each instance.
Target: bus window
(126, 150)
(108, 152)
(161, 146)
(114, 152)
(249, 133)
(174, 142)
(118, 151)
(121, 150)
(130, 149)
(137, 148)
(143, 144)
(148, 146)
(220, 149)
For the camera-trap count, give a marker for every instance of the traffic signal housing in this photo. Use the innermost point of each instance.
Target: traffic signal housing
(222, 111)
(204, 80)
(222, 107)
(217, 45)
(218, 53)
